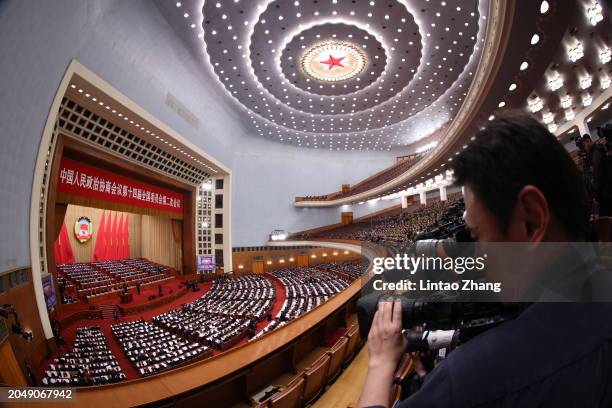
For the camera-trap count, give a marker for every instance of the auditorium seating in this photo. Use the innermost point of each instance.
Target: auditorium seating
(336, 355)
(99, 278)
(306, 288)
(89, 362)
(225, 314)
(393, 228)
(152, 349)
(315, 378)
(291, 396)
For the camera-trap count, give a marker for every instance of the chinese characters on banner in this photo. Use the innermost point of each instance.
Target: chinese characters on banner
(87, 181)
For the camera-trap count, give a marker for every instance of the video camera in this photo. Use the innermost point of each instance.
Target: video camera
(446, 320)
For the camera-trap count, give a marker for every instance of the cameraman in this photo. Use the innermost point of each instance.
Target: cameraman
(598, 166)
(520, 185)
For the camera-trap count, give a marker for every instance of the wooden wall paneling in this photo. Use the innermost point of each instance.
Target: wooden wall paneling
(257, 267)
(10, 371)
(21, 297)
(303, 260)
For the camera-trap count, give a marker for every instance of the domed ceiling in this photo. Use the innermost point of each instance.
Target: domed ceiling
(339, 74)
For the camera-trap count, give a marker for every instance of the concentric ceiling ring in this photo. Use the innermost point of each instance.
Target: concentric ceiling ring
(425, 71)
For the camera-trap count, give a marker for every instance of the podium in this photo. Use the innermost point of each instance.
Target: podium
(126, 298)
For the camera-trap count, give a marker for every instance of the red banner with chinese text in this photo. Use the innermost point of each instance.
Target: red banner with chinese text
(87, 181)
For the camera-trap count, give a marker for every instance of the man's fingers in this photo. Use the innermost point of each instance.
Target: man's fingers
(386, 312)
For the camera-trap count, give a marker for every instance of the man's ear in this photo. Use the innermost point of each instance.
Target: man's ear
(531, 215)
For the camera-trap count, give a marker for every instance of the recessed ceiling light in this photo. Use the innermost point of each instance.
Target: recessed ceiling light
(524, 65)
(544, 7)
(535, 39)
(512, 87)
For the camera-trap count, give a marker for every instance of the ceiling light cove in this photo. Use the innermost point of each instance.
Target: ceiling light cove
(333, 61)
(343, 75)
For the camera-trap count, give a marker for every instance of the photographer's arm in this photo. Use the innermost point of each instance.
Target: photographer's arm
(386, 344)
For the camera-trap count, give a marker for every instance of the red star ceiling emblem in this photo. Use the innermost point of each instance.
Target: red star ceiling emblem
(333, 62)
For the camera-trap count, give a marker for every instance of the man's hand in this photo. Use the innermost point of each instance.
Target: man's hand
(386, 344)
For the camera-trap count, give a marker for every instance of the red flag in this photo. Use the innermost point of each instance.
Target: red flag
(99, 248)
(127, 237)
(115, 252)
(67, 254)
(57, 251)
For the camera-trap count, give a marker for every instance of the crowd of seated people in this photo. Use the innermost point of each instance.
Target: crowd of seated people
(306, 288)
(88, 280)
(89, 362)
(226, 313)
(152, 349)
(150, 268)
(378, 179)
(397, 227)
(351, 269)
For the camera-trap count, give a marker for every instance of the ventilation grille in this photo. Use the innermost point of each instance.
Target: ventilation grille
(81, 122)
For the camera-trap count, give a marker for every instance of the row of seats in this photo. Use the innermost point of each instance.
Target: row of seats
(309, 384)
(152, 349)
(89, 362)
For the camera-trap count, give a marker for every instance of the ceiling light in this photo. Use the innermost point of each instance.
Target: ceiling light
(604, 81)
(535, 104)
(178, 4)
(586, 99)
(555, 81)
(552, 127)
(605, 55)
(548, 117)
(524, 65)
(535, 39)
(566, 101)
(501, 104)
(576, 52)
(594, 13)
(544, 7)
(569, 114)
(512, 87)
(585, 81)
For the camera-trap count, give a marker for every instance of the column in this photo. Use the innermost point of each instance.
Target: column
(442, 193)
(404, 201)
(423, 197)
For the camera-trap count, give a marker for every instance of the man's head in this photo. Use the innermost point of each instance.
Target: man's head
(585, 143)
(520, 184)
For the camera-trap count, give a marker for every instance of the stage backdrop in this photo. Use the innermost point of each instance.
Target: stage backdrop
(149, 237)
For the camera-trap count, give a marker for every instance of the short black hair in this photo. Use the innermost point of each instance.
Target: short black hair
(513, 151)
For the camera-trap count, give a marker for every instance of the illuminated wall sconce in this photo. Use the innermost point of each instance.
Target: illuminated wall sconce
(291, 259)
(281, 261)
(346, 252)
(324, 255)
(240, 266)
(268, 262)
(313, 256)
(335, 253)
